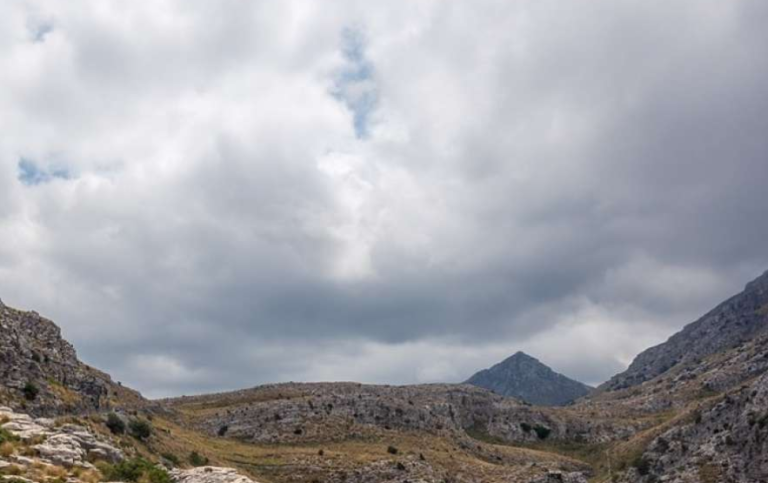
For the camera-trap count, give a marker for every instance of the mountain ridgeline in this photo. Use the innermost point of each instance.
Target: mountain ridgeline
(693, 409)
(526, 378)
(734, 322)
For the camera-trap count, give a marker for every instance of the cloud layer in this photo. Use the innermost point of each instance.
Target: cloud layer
(210, 195)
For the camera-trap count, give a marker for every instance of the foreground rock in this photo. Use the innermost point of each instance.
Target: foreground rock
(209, 474)
(68, 445)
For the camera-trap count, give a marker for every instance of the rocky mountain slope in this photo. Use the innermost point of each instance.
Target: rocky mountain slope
(524, 377)
(730, 324)
(40, 371)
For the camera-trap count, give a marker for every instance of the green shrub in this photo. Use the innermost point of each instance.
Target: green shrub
(392, 450)
(30, 391)
(172, 458)
(542, 431)
(526, 427)
(140, 429)
(134, 470)
(6, 436)
(115, 424)
(642, 465)
(197, 460)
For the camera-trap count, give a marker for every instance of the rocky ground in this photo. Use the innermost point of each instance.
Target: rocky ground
(41, 374)
(48, 450)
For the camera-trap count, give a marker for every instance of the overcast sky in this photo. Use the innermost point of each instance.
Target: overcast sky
(209, 195)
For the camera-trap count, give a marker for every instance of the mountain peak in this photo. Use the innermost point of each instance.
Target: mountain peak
(527, 378)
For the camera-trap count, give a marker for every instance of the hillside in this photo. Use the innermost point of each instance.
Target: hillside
(40, 371)
(524, 377)
(702, 418)
(730, 324)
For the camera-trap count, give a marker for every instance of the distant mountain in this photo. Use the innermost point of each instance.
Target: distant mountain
(732, 323)
(526, 378)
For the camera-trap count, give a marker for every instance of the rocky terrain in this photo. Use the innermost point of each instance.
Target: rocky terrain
(40, 371)
(730, 324)
(694, 409)
(524, 377)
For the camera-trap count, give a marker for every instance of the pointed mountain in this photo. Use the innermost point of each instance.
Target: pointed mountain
(739, 319)
(524, 377)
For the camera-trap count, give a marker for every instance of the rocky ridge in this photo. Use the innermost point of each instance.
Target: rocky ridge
(730, 324)
(293, 413)
(40, 371)
(526, 378)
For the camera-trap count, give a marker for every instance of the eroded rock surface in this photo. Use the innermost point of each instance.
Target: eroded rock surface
(68, 445)
(209, 474)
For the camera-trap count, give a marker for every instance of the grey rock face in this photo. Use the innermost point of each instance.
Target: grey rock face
(524, 377)
(726, 440)
(312, 412)
(40, 370)
(209, 474)
(730, 324)
(67, 446)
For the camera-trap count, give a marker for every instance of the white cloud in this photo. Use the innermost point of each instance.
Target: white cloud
(476, 179)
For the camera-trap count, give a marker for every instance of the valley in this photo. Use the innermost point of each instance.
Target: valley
(694, 409)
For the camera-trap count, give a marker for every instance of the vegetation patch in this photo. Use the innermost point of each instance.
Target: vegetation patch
(115, 424)
(135, 470)
(140, 429)
(31, 391)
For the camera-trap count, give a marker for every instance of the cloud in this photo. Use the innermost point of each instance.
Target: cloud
(399, 192)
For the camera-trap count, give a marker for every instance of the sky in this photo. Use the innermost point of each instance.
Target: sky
(209, 195)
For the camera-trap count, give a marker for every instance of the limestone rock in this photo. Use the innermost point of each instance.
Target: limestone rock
(34, 355)
(209, 474)
(730, 324)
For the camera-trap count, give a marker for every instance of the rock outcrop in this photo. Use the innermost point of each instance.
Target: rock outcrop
(732, 323)
(67, 445)
(40, 371)
(209, 474)
(314, 412)
(524, 377)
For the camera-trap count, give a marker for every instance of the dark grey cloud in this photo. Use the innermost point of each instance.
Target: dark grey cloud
(387, 193)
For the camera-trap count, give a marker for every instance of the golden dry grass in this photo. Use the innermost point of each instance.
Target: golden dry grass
(7, 449)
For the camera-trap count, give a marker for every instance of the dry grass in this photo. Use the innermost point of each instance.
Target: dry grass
(273, 463)
(52, 471)
(7, 449)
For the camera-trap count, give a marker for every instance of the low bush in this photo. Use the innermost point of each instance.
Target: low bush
(135, 470)
(542, 431)
(6, 436)
(196, 459)
(642, 465)
(140, 429)
(115, 424)
(172, 458)
(30, 391)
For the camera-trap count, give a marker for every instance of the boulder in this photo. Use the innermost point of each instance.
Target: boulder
(209, 474)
